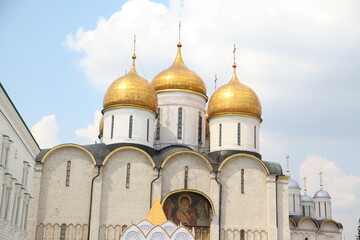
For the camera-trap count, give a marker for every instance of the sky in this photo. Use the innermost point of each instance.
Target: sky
(301, 57)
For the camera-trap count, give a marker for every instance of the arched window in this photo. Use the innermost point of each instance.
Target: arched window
(130, 126)
(26, 216)
(242, 234)
(7, 206)
(220, 134)
(14, 209)
(294, 205)
(62, 231)
(128, 176)
(68, 169)
(123, 227)
(239, 134)
(254, 136)
(147, 130)
(186, 177)
(180, 123)
(200, 128)
(242, 180)
(17, 214)
(157, 137)
(112, 127)
(325, 209)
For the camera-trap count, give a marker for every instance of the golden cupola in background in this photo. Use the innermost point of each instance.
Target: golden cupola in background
(179, 78)
(234, 98)
(101, 127)
(131, 90)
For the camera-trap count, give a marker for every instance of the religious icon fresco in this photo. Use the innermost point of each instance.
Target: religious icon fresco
(187, 208)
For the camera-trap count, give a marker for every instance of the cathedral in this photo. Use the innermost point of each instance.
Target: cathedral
(199, 155)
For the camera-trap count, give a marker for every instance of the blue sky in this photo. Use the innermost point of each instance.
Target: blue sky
(301, 57)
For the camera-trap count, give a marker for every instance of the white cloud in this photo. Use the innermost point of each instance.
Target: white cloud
(343, 188)
(279, 41)
(91, 132)
(46, 132)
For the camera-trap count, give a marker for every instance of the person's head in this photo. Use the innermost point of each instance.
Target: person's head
(184, 202)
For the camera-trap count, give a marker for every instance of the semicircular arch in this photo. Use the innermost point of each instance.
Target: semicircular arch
(127, 148)
(244, 155)
(330, 220)
(311, 218)
(192, 191)
(189, 152)
(293, 222)
(68, 145)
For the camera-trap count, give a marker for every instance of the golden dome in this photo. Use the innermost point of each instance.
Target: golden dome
(101, 126)
(131, 90)
(234, 98)
(179, 77)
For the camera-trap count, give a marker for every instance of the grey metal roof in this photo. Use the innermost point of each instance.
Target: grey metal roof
(297, 219)
(322, 194)
(306, 198)
(293, 184)
(274, 168)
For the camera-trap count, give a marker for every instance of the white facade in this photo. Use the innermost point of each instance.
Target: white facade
(129, 125)
(234, 132)
(18, 150)
(181, 126)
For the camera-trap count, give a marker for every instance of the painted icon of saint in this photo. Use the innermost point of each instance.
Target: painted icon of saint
(185, 213)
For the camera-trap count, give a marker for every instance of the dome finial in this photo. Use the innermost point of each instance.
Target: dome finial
(305, 189)
(287, 165)
(321, 180)
(133, 70)
(234, 77)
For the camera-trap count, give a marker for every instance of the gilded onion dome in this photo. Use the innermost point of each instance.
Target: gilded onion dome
(131, 90)
(179, 77)
(234, 98)
(101, 126)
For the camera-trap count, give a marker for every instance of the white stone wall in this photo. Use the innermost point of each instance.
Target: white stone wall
(119, 204)
(59, 203)
(309, 209)
(192, 105)
(283, 229)
(248, 210)
(173, 174)
(295, 202)
(322, 208)
(249, 141)
(121, 126)
(308, 229)
(18, 150)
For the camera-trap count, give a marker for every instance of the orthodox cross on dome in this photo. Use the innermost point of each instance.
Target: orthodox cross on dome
(321, 180)
(305, 189)
(234, 55)
(287, 165)
(133, 70)
(134, 45)
(215, 81)
(179, 31)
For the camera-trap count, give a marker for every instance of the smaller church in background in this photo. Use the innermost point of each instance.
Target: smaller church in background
(160, 138)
